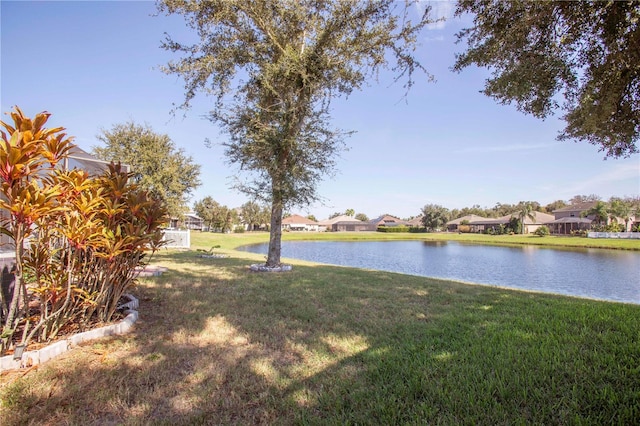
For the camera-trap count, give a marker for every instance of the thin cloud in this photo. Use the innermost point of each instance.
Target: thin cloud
(431, 39)
(618, 173)
(441, 11)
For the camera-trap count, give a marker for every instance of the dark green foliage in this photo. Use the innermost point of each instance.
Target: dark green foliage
(254, 215)
(216, 216)
(434, 216)
(542, 231)
(587, 52)
(393, 229)
(417, 230)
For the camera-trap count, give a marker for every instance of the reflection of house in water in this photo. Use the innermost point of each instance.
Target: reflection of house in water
(77, 159)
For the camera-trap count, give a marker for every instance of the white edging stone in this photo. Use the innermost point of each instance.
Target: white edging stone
(261, 267)
(31, 358)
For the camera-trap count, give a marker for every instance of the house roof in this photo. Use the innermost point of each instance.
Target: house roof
(577, 207)
(571, 219)
(491, 221)
(341, 218)
(416, 221)
(81, 159)
(298, 220)
(469, 217)
(539, 219)
(387, 219)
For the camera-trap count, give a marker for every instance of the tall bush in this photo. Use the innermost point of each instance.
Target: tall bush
(86, 235)
(27, 151)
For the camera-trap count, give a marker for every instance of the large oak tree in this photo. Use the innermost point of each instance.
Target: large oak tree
(582, 57)
(273, 68)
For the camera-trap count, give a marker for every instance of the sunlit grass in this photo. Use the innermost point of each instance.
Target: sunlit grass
(217, 344)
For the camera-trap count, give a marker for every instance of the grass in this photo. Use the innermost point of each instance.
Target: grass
(205, 240)
(216, 344)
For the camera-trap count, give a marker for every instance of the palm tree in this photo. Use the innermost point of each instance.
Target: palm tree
(621, 209)
(526, 211)
(599, 212)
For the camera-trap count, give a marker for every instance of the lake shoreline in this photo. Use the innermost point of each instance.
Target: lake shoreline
(578, 272)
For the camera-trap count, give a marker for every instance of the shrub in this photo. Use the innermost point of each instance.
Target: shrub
(542, 231)
(88, 234)
(239, 230)
(464, 228)
(393, 229)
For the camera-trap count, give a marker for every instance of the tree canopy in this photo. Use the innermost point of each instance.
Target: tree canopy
(214, 215)
(254, 215)
(434, 216)
(157, 166)
(273, 68)
(587, 52)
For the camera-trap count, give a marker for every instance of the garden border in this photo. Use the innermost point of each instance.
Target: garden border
(36, 357)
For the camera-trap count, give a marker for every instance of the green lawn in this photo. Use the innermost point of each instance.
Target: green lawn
(217, 344)
(205, 240)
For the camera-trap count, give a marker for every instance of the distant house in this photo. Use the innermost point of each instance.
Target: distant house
(193, 221)
(344, 223)
(453, 225)
(416, 222)
(484, 224)
(570, 218)
(388, 220)
(298, 223)
(540, 219)
(530, 225)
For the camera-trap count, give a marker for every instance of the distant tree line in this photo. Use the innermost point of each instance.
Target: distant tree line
(218, 217)
(435, 216)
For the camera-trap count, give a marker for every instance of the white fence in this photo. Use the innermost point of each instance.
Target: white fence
(625, 235)
(177, 239)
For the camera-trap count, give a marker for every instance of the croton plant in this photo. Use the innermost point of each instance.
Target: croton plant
(78, 238)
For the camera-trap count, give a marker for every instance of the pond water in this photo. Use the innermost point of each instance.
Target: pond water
(593, 273)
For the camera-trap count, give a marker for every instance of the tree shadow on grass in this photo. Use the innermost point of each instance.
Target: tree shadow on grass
(325, 345)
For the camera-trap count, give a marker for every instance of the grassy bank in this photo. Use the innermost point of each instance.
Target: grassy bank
(217, 344)
(205, 240)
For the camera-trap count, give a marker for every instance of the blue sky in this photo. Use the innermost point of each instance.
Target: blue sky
(96, 64)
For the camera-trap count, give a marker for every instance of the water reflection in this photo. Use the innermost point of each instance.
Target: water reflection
(435, 243)
(594, 273)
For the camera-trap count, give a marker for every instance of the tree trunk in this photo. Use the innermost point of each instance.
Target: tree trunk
(275, 233)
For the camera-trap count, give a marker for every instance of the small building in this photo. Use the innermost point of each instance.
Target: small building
(298, 223)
